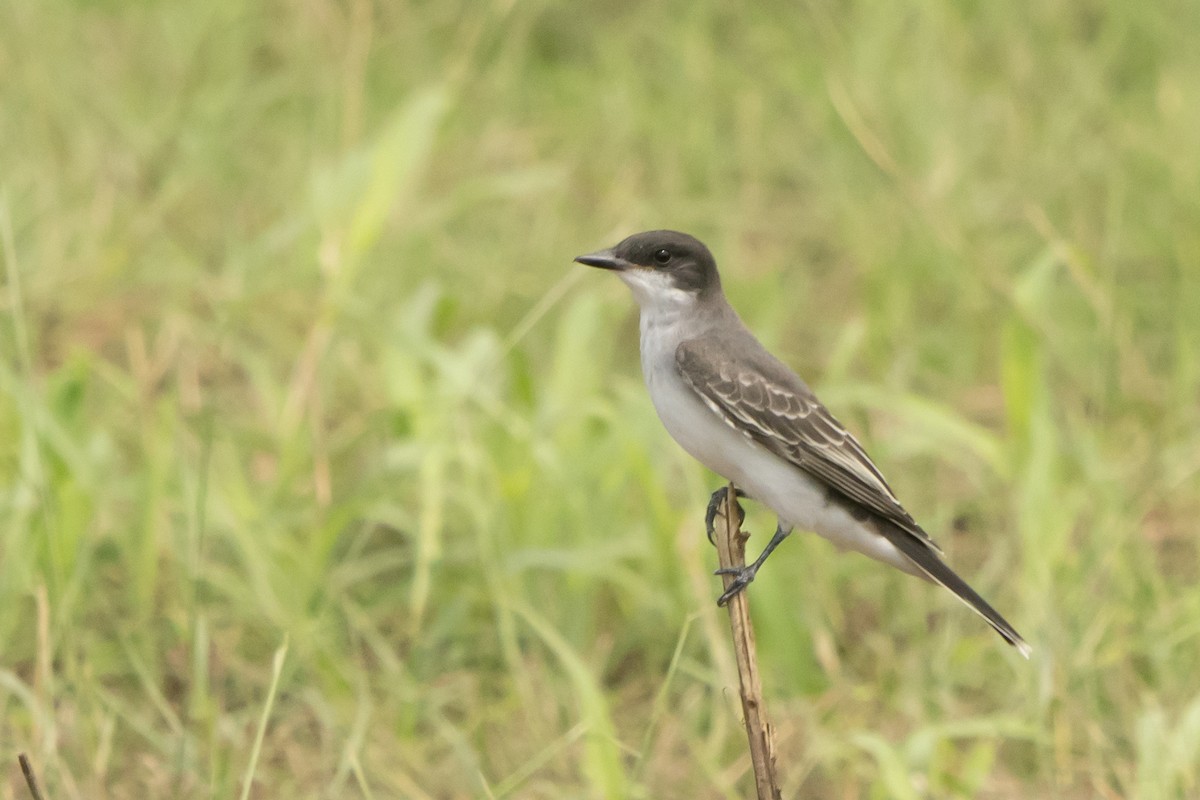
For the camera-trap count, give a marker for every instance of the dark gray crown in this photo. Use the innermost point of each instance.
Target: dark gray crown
(683, 257)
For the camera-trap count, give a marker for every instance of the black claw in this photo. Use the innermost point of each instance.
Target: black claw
(744, 575)
(714, 508)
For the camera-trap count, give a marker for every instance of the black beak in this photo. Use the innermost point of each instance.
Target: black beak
(604, 259)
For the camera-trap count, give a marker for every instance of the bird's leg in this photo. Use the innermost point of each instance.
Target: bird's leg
(714, 507)
(743, 575)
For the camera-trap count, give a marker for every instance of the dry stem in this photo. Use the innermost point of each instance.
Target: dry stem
(731, 551)
(30, 777)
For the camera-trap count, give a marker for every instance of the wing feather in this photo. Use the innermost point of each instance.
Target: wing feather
(762, 397)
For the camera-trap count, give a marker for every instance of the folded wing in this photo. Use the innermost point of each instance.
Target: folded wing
(760, 396)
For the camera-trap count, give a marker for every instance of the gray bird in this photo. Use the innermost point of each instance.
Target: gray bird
(746, 416)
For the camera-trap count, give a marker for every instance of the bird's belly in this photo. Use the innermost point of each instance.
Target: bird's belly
(799, 500)
(702, 433)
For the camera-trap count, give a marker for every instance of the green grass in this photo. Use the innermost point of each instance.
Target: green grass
(293, 350)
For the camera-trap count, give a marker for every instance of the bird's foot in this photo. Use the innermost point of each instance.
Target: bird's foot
(742, 576)
(715, 504)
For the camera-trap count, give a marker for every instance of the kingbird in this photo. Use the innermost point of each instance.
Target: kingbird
(746, 416)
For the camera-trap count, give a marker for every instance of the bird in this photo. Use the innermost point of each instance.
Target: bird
(748, 417)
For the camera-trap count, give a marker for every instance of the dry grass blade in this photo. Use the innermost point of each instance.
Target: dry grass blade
(276, 671)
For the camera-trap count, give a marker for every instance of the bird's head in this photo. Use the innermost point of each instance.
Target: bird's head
(663, 268)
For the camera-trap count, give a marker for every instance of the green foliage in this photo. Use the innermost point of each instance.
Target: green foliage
(294, 351)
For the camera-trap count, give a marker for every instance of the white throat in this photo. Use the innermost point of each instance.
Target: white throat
(668, 317)
(657, 295)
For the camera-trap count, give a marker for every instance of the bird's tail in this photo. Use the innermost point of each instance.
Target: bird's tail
(937, 571)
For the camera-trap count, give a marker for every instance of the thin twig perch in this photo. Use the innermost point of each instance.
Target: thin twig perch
(731, 552)
(30, 777)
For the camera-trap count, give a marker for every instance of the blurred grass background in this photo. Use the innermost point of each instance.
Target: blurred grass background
(294, 351)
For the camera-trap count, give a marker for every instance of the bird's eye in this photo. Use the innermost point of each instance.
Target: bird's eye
(662, 256)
